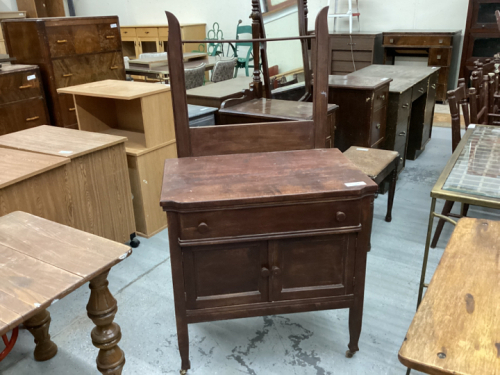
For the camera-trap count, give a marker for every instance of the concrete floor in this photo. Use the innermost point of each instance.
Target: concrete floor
(299, 344)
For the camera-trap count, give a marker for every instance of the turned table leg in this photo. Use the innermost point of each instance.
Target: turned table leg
(38, 326)
(101, 309)
(392, 191)
(355, 321)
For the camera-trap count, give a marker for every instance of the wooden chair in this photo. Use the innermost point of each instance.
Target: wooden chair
(248, 138)
(223, 70)
(194, 77)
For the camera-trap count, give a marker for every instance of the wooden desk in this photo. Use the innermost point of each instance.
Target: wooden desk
(267, 233)
(410, 110)
(214, 94)
(440, 46)
(91, 193)
(41, 263)
(456, 329)
(363, 110)
(271, 110)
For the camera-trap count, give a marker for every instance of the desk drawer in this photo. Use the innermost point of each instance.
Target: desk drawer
(359, 56)
(348, 66)
(419, 89)
(163, 32)
(380, 97)
(22, 115)
(19, 86)
(68, 110)
(128, 31)
(147, 32)
(440, 57)
(377, 131)
(344, 43)
(109, 37)
(254, 221)
(71, 40)
(417, 40)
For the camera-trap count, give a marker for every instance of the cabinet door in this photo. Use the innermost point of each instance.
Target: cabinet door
(312, 267)
(224, 275)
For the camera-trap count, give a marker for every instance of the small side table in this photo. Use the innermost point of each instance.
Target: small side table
(41, 263)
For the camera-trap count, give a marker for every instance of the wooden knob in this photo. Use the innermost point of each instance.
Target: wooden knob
(341, 216)
(265, 272)
(276, 271)
(203, 228)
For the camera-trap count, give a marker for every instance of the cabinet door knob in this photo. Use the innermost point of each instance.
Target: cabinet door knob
(264, 272)
(276, 271)
(203, 227)
(341, 216)
(402, 133)
(33, 118)
(378, 126)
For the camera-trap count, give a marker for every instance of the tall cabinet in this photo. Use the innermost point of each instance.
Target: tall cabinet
(69, 51)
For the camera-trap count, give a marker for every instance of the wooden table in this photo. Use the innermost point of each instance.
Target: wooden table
(410, 110)
(41, 263)
(271, 110)
(90, 192)
(456, 329)
(214, 94)
(470, 177)
(267, 233)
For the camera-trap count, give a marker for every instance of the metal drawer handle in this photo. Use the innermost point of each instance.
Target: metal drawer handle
(62, 41)
(402, 133)
(378, 126)
(71, 109)
(341, 216)
(406, 105)
(67, 75)
(114, 67)
(433, 86)
(276, 271)
(25, 87)
(203, 228)
(264, 272)
(382, 97)
(421, 90)
(110, 37)
(33, 118)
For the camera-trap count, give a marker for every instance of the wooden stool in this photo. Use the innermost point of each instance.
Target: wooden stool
(42, 262)
(378, 165)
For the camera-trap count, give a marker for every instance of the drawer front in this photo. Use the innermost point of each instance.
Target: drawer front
(147, 32)
(401, 136)
(377, 131)
(90, 68)
(61, 41)
(417, 40)
(344, 43)
(68, 110)
(381, 97)
(163, 32)
(128, 32)
(109, 37)
(402, 157)
(71, 40)
(254, 221)
(19, 86)
(420, 89)
(359, 56)
(348, 66)
(22, 115)
(439, 57)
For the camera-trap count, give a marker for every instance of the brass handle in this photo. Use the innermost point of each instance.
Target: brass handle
(33, 118)
(113, 67)
(62, 41)
(25, 87)
(67, 75)
(71, 109)
(402, 133)
(203, 228)
(276, 271)
(406, 105)
(264, 272)
(378, 126)
(110, 37)
(341, 216)
(433, 86)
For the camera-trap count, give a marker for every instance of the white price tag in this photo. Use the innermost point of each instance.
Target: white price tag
(352, 184)
(31, 77)
(471, 126)
(114, 25)
(361, 149)
(66, 152)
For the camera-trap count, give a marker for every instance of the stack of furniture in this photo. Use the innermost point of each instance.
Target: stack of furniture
(139, 39)
(4, 16)
(42, 8)
(79, 179)
(440, 47)
(22, 101)
(69, 51)
(141, 112)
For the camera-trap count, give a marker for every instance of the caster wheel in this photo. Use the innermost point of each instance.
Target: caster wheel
(135, 242)
(349, 354)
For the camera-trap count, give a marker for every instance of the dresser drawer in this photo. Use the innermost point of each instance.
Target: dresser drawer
(128, 31)
(359, 56)
(420, 89)
(348, 66)
(417, 40)
(344, 43)
(71, 40)
(163, 32)
(440, 57)
(147, 32)
(254, 221)
(377, 131)
(22, 115)
(109, 37)
(380, 97)
(19, 86)
(61, 41)
(68, 110)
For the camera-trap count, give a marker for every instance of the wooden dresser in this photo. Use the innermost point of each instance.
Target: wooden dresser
(362, 113)
(267, 233)
(22, 101)
(69, 51)
(351, 52)
(437, 45)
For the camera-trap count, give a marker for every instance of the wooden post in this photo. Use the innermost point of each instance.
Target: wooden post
(256, 29)
(38, 326)
(305, 48)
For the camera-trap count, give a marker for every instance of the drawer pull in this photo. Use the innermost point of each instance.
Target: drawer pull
(406, 105)
(434, 86)
(378, 126)
(402, 133)
(276, 271)
(114, 67)
(341, 216)
(71, 109)
(382, 97)
(265, 272)
(421, 90)
(110, 37)
(67, 75)
(62, 41)
(32, 118)
(25, 87)
(203, 228)
(440, 41)
(391, 41)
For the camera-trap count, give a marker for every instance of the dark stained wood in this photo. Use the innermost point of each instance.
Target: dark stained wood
(267, 233)
(69, 51)
(215, 94)
(303, 21)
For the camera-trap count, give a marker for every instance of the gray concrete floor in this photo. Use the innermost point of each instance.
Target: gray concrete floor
(299, 344)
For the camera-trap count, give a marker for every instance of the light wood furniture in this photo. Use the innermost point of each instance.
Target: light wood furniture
(93, 191)
(456, 330)
(441, 47)
(137, 39)
(22, 100)
(215, 94)
(142, 112)
(4, 16)
(289, 232)
(69, 51)
(42, 8)
(41, 263)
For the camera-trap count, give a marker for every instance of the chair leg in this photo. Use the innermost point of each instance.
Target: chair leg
(448, 205)
(236, 71)
(392, 190)
(465, 209)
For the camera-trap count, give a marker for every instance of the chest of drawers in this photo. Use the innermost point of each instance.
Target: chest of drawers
(22, 101)
(69, 51)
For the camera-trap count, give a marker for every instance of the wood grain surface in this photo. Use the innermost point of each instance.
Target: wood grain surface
(371, 161)
(114, 89)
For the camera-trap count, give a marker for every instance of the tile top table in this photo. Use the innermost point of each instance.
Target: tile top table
(456, 329)
(42, 262)
(214, 94)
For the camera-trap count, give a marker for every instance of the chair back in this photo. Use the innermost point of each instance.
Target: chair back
(223, 70)
(479, 101)
(195, 77)
(458, 98)
(213, 49)
(242, 30)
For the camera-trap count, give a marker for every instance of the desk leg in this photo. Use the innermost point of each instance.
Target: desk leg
(426, 253)
(392, 191)
(101, 309)
(38, 326)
